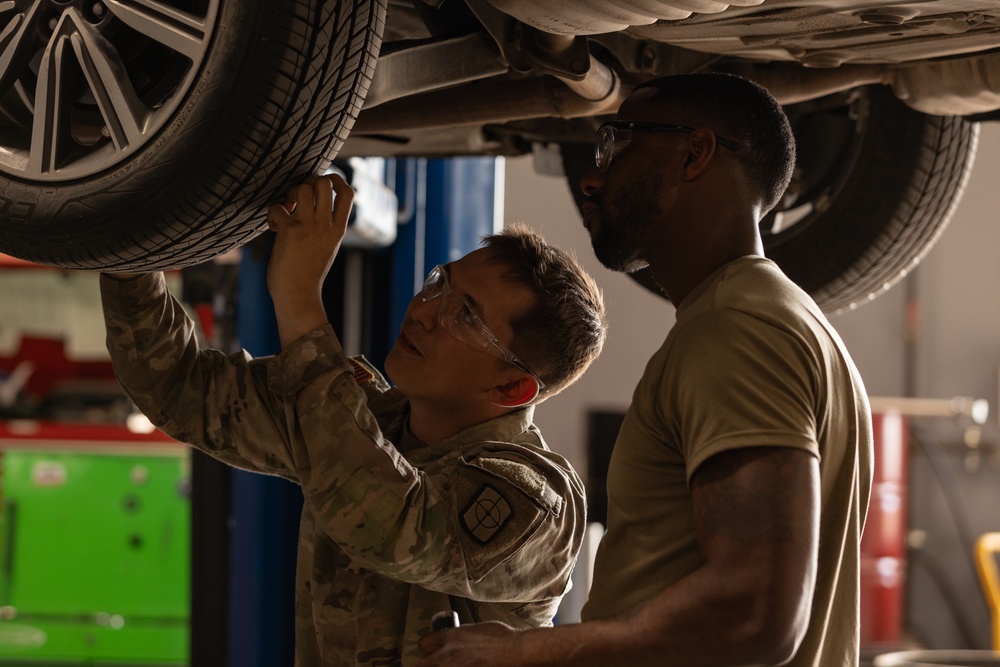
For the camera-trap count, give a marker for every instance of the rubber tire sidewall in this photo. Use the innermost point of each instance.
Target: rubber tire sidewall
(897, 200)
(193, 190)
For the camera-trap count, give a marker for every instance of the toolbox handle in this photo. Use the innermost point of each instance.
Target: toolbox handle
(9, 525)
(7, 565)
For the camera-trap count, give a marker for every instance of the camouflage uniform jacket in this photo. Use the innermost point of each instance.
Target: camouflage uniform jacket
(487, 523)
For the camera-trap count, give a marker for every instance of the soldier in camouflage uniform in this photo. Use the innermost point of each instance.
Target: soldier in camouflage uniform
(438, 494)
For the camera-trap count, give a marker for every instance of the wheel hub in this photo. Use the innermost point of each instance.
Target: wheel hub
(85, 83)
(92, 11)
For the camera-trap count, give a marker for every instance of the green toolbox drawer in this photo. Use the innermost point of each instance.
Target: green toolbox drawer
(95, 558)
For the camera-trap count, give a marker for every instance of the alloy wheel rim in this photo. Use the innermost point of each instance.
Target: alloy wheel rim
(85, 84)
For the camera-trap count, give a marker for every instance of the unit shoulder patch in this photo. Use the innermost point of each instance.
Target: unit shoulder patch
(488, 512)
(494, 518)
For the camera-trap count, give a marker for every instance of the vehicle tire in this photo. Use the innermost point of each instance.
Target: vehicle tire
(155, 135)
(876, 184)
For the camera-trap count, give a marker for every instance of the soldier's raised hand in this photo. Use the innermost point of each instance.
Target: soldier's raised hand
(310, 227)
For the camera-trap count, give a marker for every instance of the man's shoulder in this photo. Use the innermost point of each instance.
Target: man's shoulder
(543, 476)
(518, 499)
(751, 294)
(526, 448)
(367, 376)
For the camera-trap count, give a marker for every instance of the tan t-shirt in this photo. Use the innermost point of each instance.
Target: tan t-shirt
(751, 361)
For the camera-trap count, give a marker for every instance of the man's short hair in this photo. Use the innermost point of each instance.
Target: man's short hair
(738, 109)
(564, 331)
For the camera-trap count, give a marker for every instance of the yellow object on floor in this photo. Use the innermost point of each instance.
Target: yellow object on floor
(987, 547)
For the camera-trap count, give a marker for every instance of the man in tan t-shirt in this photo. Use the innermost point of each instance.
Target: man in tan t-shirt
(740, 479)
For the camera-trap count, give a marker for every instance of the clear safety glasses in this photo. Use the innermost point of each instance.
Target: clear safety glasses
(614, 136)
(459, 318)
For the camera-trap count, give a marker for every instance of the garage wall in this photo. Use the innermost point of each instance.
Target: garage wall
(956, 352)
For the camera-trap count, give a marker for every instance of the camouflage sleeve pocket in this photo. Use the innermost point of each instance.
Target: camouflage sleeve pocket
(495, 517)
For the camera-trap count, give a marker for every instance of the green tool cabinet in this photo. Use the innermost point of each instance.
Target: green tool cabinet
(94, 558)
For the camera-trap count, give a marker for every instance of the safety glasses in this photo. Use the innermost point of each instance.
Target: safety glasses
(459, 318)
(614, 136)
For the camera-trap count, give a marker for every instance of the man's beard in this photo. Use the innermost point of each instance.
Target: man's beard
(622, 235)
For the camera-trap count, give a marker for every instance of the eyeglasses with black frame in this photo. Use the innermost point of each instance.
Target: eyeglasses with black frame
(457, 316)
(614, 136)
